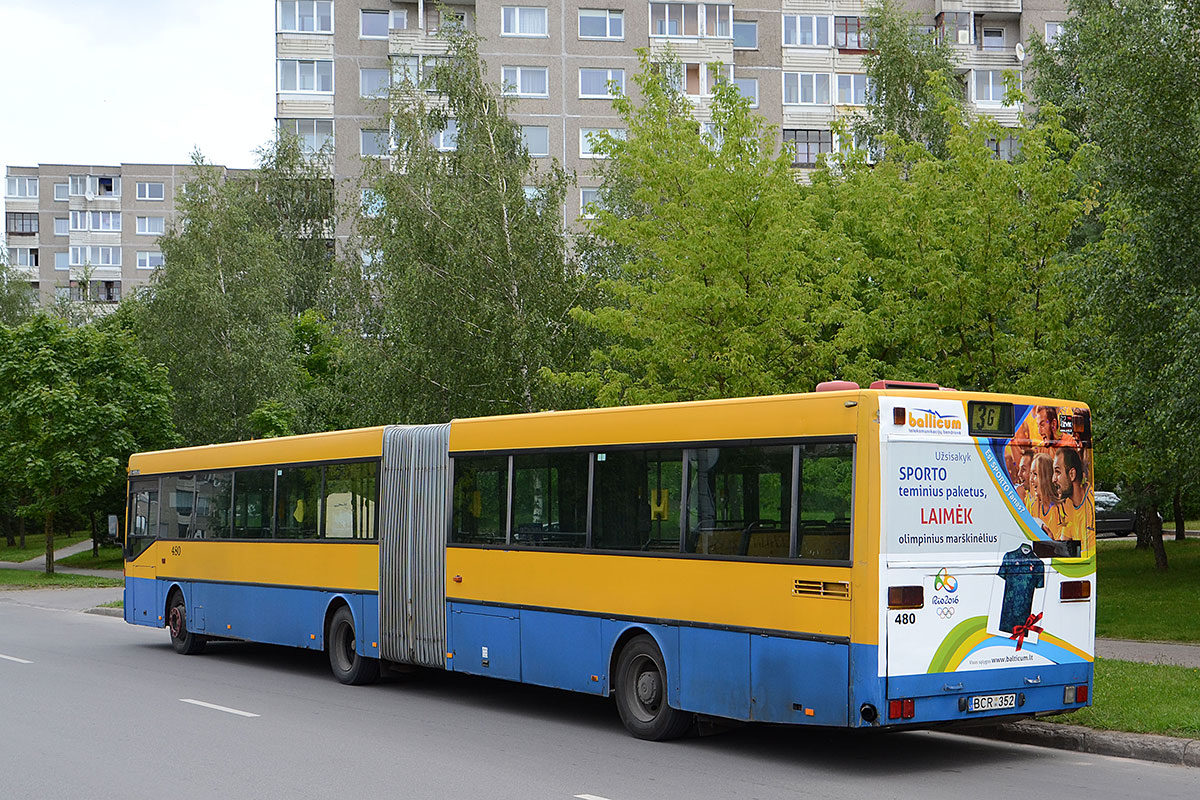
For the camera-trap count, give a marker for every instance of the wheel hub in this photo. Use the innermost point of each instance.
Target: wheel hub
(175, 620)
(649, 688)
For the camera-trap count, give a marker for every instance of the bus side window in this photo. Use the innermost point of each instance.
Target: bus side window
(298, 500)
(635, 503)
(740, 501)
(826, 492)
(143, 516)
(549, 507)
(480, 507)
(349, 502)
(253, 503)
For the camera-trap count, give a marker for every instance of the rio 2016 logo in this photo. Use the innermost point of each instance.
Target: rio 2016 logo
(944, 580)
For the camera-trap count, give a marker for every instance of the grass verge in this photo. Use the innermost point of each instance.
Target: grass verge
(109, 558)
(1142, 698)
(35, 545)
(33, 579)
(1137, 602)
(113, 604)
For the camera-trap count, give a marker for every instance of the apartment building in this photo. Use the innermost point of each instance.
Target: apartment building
(65, 222)
(799, 61)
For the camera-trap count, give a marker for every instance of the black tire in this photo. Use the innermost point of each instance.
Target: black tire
(348, 666)
(183, 640)
(641, 693)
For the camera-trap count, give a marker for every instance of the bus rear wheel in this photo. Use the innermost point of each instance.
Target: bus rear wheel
(641, 692)
(348, 666)
(183, 640)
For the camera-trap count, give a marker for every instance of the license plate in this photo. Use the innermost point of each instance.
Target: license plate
(992, 702)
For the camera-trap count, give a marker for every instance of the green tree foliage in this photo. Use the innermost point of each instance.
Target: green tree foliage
(17, 297)
(469, 298)
(1125, 76)
(74, 404)
(250, 259)
(718, 284)
(907, 69)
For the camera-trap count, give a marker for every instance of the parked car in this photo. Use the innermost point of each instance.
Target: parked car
(1113, 518)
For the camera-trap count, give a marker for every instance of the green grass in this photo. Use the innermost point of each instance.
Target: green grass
(1135, 601)
(113, 604)
(1142, 698)
(33, 579)
(109, 558)
(35, 545)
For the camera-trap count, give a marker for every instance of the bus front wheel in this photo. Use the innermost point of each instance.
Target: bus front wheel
(348, 666)
(183, 640)
(641, 692)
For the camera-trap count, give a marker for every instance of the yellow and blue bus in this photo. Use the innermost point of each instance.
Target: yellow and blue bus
(890, 556)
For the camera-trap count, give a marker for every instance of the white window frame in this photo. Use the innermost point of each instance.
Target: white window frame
(294, 65)
(752, 22)
(722, 12)
(519, 12)
(752, 98)
(377, 134)
(584, 201)
(104, 221)
(815, 76)
(992, 47)
(612, 75)
(82, 255)
(77, 185)
(144, 258)
(525, 141)
(296, 4)
(399, 19)
(514, 90)
(62, 259)
(23, 187)
(439, 138)
(993, 85)
(855, 79)
(144, 193)
(144, 225)
(293, 127)
(610, 14)
(1053, 30)
(25, 257)
(64, 229)
(66, 192)
(363, 13)
(362, 89)
(586, 141)
(792, 26)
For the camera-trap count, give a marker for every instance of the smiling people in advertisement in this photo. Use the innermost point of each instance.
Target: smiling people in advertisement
(1051, 471)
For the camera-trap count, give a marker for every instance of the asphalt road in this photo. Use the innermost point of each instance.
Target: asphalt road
(93, 708)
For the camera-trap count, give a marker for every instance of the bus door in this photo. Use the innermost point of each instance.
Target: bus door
(141, 594)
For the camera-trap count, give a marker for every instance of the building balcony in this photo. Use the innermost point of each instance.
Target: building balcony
(980, 6)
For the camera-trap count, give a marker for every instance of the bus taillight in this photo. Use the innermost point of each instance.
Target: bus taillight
(1074, 590)
(906, 597)
(902, 709)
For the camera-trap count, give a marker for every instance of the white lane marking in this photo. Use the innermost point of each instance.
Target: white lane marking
(14, 658)
(590, 797)
(226, 709)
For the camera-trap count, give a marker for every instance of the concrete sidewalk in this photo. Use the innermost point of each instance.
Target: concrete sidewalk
(38, 564)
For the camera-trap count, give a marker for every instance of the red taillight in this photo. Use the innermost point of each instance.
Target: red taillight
(1081, 694)
(909, 708)
(894, 709)
(906, 597)
(1075, 590)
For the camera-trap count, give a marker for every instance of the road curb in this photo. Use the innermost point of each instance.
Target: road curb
(106, 612)
(1142, 746)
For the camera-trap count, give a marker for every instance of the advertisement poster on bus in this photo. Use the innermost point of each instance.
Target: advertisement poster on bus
(989, 508)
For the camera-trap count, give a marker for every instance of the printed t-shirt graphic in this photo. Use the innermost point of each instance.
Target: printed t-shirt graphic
(1023, 572)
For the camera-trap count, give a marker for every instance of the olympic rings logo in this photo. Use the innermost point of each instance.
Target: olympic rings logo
(945, 612)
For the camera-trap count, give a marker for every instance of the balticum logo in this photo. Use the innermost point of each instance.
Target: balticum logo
(926, 419)
(944, 580)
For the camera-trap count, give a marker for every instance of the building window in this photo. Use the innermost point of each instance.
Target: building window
(590, 139)
(1005, 149)
(993, 38)
(315, 134)
(605, 83)
(151, 226)
(305, 76)
(61, 191)
(373, 24)
(373, 82)
(850, 33)
(807, 145)
(23, 256)
(96, 256)
(446, 20)
(305, 16)
(370, 203)
(373, 142)
(589, 203)
(149, 259)
(105, 221)
(745, 35)
(20, 222)
(536, 139)
(522, 21)
(21, 186)
(698, 80)
(446, 139)
(1053, 31)
(525, 81)
(62, 260)
(748, 87)
(805, 88)
(805, 31)
(601, 24)
(954, 27)
(717, 19)
(852, 89)
(399, 19)
(989, 86)
(151, 191)
(61, 227)
(710, 20)
(78, 184)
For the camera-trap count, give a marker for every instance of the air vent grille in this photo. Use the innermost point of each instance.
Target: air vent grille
(838, 589)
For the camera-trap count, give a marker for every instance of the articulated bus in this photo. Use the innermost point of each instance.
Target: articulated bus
(885, 557)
